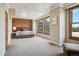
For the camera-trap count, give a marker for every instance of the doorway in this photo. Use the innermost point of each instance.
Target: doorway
(6, 29)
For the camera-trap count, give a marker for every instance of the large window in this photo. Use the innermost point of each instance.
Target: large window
(44, 25)
(74, 23)
(47, 25)
(40, 26)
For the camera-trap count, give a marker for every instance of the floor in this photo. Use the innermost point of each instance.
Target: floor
(35, 46)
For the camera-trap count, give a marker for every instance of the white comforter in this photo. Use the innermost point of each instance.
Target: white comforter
(24, 33)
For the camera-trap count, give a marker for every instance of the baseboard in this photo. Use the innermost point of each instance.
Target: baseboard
(55, 43)
(42, 36)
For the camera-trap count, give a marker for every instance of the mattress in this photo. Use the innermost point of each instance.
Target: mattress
(19, 33)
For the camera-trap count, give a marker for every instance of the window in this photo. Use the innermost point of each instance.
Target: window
(74, 23)
(40, 26)
(44, 25)
(47, 25)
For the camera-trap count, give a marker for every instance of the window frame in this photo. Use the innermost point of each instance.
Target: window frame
(38, 27)
(45, 26)
(70, 24)
(44, 22)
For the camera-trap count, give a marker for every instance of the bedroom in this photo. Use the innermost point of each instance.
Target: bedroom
(36, 29)
(27, 19)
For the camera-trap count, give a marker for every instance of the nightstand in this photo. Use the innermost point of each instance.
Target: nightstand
(13, 34)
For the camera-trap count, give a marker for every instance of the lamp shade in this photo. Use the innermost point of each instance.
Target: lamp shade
(14, 28)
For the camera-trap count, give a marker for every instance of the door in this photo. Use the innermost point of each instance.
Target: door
(6, 29)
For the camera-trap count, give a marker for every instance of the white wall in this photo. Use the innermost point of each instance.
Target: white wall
(2, 30)
(62, 26)
(54, 28)
(34, 27)
(57, 31)
(9, 29)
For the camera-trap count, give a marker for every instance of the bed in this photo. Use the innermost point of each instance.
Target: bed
(23, 32)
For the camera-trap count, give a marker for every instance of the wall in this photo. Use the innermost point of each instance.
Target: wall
(21, 23)
(2, 30)
(54, 29)
(57, 31)
(62, 25)
(11, 11)
(9, 29)
(34, 27)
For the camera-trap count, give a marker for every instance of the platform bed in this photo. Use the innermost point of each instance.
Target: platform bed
(22, 32)
(23, 36)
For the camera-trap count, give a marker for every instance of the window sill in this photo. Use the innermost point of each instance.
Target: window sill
(74, 38)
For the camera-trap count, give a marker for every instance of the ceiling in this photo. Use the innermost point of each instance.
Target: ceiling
(32, 10)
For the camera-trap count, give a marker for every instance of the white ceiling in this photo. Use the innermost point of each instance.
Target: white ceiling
(32, 10)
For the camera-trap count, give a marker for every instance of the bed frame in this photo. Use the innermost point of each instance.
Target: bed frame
(22, 29)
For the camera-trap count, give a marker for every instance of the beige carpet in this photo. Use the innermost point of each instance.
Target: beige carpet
(35, 46)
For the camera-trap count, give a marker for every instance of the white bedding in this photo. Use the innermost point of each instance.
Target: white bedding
(24, 33)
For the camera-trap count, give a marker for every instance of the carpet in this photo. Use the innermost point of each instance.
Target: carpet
(35, 46)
